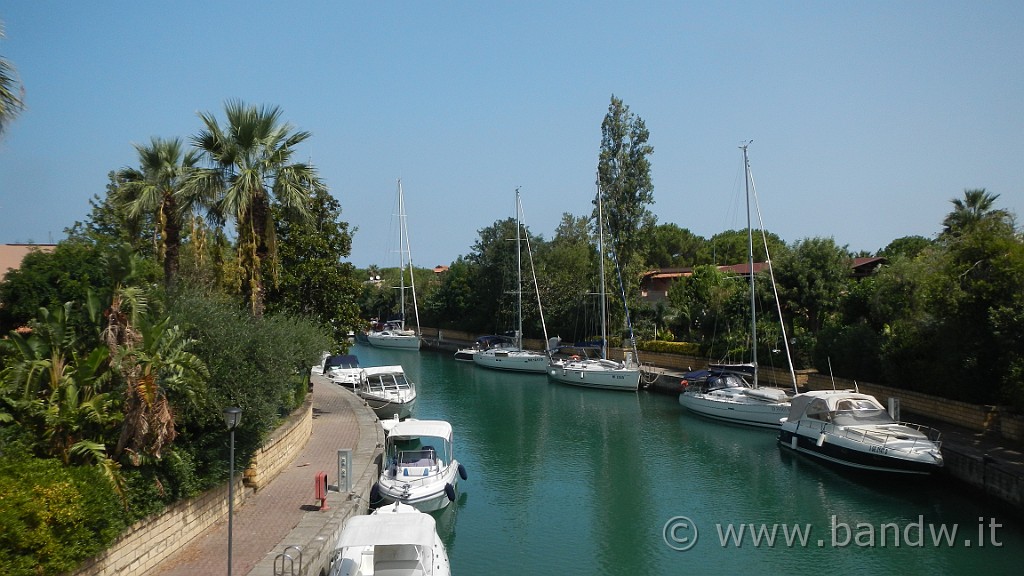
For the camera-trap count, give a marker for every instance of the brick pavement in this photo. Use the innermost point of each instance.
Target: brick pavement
(264, 522)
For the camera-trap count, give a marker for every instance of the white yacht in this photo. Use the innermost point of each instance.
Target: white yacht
(387, 391)
(420, 468)
(394, 333)
(396, 540)
(601, 372)
(726, 394)
(513, 357)
(343, 369)
(853, 429)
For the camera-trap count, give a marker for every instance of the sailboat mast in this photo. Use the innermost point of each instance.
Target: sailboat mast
(406, 259)
(401, 252)
(533, 274)
(750, 253)
(519, 276)
(600, 252)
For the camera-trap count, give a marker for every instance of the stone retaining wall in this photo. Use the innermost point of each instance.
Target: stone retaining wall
(147, 542)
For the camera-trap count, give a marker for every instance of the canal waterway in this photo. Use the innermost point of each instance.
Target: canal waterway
(566, 480)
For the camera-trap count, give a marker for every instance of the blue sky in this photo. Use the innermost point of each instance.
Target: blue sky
(866, 117)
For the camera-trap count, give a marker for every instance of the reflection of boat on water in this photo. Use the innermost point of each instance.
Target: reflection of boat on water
(853, 429)
(397, 540)
(722, 392)
(420, 468)
(387, 391)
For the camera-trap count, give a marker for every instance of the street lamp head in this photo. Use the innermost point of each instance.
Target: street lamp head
(232, 417)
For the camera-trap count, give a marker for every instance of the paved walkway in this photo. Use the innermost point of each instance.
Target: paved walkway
(266, 522)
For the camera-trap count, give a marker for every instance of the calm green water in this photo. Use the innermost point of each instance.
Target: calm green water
(565, 480)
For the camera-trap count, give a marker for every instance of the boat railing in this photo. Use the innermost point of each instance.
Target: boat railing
(893, 439)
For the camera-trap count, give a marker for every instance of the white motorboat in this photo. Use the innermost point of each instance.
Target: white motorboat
(420, 468)
(513, 357)
(723, 392)
(397, 540)
(342, 369)
(853, 429)
(394, 334)
(387, 391)
(580, 370)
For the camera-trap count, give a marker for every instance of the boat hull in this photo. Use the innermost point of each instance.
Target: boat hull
(595, 374)
(845, 452)
(426, 494)
(512, 360)
(387, 409)
(760, 414)
(394, 341)
(465, 354)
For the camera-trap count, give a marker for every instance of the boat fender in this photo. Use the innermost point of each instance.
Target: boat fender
(462, 472)
(792, 442)
(821, 439)
(684, 384)
(449, 491)
(375, 493)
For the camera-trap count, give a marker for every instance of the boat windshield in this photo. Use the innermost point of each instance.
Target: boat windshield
(860, 413)
(403, 451)
(726, 381)
(388, 381)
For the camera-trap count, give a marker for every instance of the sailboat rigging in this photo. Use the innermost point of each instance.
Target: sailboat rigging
(722, 392)
(600, 372)
(394, 333)
(514, 357)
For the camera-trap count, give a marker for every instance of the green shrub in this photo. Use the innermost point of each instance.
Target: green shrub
(683, 348)
(53, 517)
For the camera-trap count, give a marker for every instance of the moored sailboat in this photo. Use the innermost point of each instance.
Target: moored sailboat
(723, 392)
(394, 333)
(599, 372)
(513, 357)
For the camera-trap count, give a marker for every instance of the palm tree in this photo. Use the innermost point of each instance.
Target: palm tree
(975, 207)
(252, 164)
(11, 102)
(154, 188)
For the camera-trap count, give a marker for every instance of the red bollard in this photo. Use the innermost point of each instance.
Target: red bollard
(320, 489)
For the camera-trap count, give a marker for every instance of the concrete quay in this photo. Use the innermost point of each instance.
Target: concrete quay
(280, 528)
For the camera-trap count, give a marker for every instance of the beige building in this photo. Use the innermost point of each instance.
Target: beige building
(11, 255)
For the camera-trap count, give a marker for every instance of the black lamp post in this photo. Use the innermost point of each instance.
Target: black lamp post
(232, 416)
